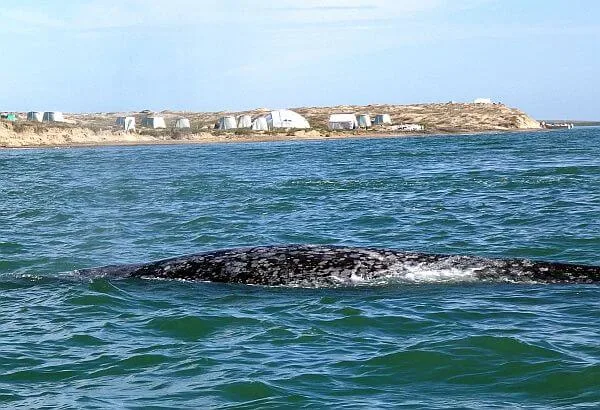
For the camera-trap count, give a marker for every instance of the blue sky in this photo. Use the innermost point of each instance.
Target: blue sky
(104, 55)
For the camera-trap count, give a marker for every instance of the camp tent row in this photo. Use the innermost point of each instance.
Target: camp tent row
(351, 121)
(48, 116)
(128, 123)
(277, 119)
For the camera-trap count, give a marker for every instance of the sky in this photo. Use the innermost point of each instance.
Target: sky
(203, 55)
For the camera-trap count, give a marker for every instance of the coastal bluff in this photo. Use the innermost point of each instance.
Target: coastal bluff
(83, 129)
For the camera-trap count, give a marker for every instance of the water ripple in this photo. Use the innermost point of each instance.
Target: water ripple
(71, 343)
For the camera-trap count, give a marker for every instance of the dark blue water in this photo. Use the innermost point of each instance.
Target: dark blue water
(71, 343)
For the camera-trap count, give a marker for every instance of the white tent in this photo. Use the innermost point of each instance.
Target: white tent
(154, 122)
(260, 124)
(286, 119)
(244, 121)
(364, 120)
(342, 122)
(53, 116)
(182, 123)
(227, 123)
(381, 119)
(35, 116)
(127, 123)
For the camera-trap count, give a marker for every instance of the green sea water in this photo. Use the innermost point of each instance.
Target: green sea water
(68, 342)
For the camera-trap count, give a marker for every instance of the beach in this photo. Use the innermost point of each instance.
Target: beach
(100, 129)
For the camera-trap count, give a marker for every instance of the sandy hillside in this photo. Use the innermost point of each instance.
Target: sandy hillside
(100, 128)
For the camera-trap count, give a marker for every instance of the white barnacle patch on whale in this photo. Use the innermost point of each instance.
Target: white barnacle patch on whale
(356, 278)
(426, 273)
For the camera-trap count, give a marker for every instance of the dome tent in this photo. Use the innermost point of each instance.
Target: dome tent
(286, 119)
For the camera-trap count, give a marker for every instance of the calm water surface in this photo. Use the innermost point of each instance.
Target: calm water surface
(70, 343)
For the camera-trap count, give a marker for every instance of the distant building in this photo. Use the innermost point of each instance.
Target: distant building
(482, 101)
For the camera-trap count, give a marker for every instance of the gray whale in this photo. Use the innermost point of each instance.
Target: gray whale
(316, 265)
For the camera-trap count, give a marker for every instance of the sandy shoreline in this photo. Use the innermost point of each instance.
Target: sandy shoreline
(258, 139)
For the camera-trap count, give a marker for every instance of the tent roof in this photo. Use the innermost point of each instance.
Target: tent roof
(342, 118)
(286, 119)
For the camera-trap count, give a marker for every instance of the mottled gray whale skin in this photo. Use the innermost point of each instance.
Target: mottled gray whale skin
(315, 265)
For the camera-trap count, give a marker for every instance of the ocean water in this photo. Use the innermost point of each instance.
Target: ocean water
(68, 342)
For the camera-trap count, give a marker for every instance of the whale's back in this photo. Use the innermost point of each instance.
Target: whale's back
(314, 265)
